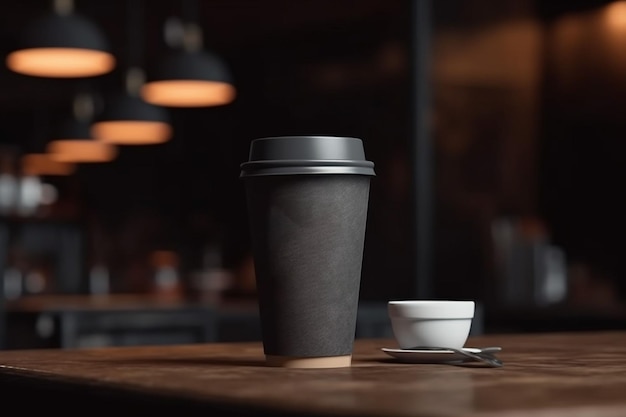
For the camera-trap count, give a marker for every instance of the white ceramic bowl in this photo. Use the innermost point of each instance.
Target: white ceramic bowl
(432, 323)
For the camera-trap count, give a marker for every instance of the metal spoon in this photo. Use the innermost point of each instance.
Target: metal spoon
(488, 350)
(486, 358)
(485, 355)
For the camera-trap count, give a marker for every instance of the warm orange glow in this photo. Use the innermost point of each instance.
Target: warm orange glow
(83, 150)
(187, 93)
(130, 132)
(43, 164)
(60, 62)
(616, 15)
(164, 258)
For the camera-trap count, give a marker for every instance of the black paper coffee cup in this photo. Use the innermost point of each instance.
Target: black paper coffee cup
(307, 200)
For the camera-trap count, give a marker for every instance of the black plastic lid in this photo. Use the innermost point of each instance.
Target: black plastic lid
(293, 155)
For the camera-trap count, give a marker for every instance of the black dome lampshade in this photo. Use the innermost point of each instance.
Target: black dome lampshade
(62, 45)
(34, 160)
(190, 77)
(128, 120)
(73, 143)
(43, 164)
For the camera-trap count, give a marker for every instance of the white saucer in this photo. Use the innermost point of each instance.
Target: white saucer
(428, 356)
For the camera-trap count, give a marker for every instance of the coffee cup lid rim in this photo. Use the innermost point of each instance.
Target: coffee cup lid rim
(295, 167)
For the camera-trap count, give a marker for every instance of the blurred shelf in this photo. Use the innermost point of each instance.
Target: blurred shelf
(74, 320)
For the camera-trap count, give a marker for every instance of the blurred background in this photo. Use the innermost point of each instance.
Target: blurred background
(495, 127)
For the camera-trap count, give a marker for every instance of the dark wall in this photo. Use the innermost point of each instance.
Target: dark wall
(343, 68)
(583, 95)
(339, 72)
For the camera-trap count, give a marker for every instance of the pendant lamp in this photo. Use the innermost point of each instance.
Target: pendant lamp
(191, 77)
(34, 159)
(129, 120)
(73, 141)
(42, 164)
(75, 144)
(62, 45)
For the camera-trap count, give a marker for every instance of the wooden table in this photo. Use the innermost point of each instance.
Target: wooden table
(559, 374)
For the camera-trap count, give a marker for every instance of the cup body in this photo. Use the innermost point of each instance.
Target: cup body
(431, 323)
(307, 221)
